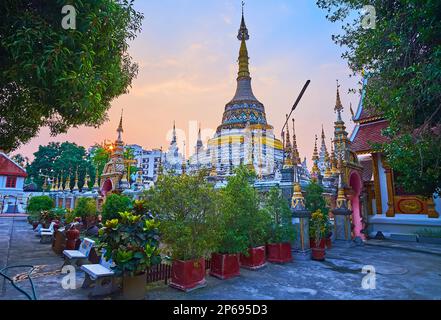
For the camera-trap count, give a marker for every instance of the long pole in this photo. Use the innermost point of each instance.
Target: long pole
(296, 103)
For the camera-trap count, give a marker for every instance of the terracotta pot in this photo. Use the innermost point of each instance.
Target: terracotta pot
(224, 266)
(188, 275)
(255, 259)
(318, 254)
(279, 252)
(35, 224)
(72, 236)
(133, 287)
(312, 243)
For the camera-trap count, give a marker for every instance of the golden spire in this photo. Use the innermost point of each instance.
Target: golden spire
(295, 152)
(76, 180)
(338, 104)
(243, 36)
(297, 200)
(67, 187)
(288, 149)
(315, 158)
(120, 129)
(96, 185)
(334, 170)
(328, 172)
(86, 182)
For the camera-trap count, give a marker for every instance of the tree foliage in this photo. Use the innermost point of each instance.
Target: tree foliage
(314, 199)
(281, 228)
(40, 203)
(185, 206)
(62, 78)
(61, 160)
(85, 207)
(114, 205)
(246, 223)
(402, 55)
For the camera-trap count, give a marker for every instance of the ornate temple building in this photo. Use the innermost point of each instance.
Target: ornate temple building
(390, 210)
(244, 136)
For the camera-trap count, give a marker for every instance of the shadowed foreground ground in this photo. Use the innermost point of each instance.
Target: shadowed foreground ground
(403, 271)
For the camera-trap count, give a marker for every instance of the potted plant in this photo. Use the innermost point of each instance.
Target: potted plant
(318, 231)
(315, 201)
(185, 206)
(241, 202)
(225, 262)
(281, 232)
(86, 209)
(132, 242)
(114, 204)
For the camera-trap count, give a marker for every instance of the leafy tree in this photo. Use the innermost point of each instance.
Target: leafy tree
(115, 204)
(99, 157)
(62, 78)
(85, 207)
(20, 159)
(56, 160)
(314, 199)
(40, 203)
(281, 229)
(246, 224)
(185, 206)
(402, 55)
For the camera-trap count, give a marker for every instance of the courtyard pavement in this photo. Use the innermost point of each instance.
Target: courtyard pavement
(404, 270)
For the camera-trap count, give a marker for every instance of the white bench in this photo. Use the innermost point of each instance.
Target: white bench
(72, 257)
(46, 234)
(101, 276)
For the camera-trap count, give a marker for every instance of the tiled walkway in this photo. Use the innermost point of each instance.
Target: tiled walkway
(403, 271)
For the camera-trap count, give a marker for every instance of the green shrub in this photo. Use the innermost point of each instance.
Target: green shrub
(281, 228)
(132, 242)
(314, 199)
(115, 204)
(185, 206)
(40, 203)
(242, 224)
(86, 207)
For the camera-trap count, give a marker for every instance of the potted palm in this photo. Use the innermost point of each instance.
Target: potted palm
(318, 231)
(185, 206)
(281, 232)
(132, 242)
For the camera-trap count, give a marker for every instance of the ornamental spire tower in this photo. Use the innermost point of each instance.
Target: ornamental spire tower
(341, 141)
(295, 151)
(288, 149)
(244, 106)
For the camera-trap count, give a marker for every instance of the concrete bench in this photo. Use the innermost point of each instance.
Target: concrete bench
(73, 257)
(101, 276)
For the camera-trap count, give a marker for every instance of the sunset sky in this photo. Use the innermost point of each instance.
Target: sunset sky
(187, 53)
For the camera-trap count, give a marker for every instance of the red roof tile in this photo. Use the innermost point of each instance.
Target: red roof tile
(367, 134)
(10, 168)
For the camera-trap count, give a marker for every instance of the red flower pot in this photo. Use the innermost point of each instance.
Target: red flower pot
(255, 259)
(188, 275)
(224, 266)
(279, 252)
(321, 246)
(318, 254)
(72, 236)
(35, 224)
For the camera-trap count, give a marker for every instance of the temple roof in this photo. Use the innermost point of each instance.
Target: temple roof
(364, 112)
(8, 167)
(366, 134)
